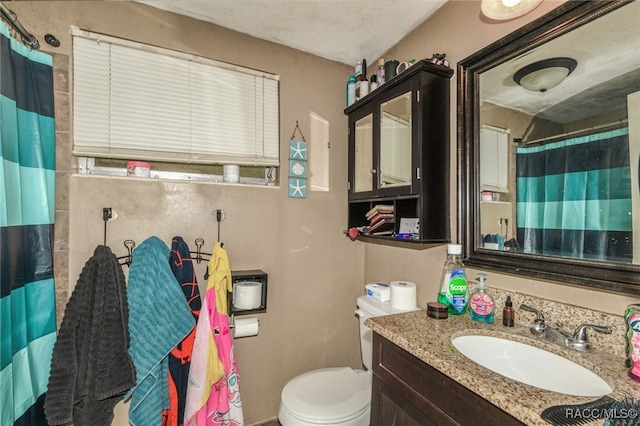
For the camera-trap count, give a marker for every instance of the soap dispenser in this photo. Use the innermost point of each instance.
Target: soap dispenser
(481, 304)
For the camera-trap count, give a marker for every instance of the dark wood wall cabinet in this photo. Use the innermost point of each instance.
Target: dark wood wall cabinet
(399, 154)
(406, 391)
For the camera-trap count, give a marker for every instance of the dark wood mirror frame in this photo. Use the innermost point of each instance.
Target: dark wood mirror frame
(605, 276)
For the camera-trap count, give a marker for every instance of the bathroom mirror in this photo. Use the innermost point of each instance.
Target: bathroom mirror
(548, 174)
(395, 141)
(363, 179)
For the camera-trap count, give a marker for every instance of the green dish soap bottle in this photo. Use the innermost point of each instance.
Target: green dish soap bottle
(481, 304)
(454, 292)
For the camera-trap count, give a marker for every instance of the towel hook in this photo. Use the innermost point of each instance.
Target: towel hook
(130, 245)
(199, 244)
(106, 215)
(219, 216)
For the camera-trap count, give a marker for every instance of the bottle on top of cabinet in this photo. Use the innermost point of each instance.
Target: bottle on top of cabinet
(351, 90)
(362, 84)
(358, 70)
(380, 72)
(373, 83)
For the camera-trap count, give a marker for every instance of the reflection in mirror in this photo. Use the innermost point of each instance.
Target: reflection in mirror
(364, 154)
(395, 141)
(570, 191)
(551, 122)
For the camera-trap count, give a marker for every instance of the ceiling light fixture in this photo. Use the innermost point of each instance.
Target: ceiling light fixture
(543, 75)
(502, 10)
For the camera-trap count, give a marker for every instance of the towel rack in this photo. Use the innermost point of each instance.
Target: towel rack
(107, 213)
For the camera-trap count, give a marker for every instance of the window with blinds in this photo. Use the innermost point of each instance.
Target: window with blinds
(140, 102)
(494, 159)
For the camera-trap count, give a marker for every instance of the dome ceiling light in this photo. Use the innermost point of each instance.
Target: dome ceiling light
(543, 75)
(502, 10)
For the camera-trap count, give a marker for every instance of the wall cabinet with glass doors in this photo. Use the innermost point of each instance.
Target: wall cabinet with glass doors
(399, 153)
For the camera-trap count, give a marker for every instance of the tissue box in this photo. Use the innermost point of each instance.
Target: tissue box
(379, 291)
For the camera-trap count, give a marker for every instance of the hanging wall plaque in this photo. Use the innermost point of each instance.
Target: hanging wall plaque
(297, 166)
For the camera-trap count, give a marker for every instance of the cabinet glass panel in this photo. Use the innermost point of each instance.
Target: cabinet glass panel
(395, 142)
(363, 172)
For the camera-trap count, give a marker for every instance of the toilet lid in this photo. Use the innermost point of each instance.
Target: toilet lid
(329, 394)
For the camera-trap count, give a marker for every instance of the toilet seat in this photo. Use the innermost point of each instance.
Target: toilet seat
(328, 395)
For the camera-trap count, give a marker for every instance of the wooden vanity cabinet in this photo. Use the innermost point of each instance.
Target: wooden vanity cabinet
(399, 152)
(406, 391)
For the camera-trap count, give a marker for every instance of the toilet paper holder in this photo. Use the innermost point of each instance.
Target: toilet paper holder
(247, 327)
(253, 275)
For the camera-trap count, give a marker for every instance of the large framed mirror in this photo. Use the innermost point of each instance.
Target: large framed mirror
(549, 147)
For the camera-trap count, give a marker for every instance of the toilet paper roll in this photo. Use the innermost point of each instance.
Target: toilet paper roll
(403, 295)
(245, 327)
(247, 295)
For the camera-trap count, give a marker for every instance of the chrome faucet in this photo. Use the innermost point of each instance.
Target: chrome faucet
(579, 340)
(538, 325)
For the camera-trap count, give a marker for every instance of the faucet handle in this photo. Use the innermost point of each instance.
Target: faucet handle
(580, 335)
(539, 315)
(580, 338)
(537, 325)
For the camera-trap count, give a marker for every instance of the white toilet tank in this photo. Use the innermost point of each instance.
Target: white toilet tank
(369, 307)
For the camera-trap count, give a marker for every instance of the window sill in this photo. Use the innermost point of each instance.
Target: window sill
(110, 173)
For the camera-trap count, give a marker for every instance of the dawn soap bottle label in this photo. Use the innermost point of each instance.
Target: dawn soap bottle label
(454, 292)
(632, 316)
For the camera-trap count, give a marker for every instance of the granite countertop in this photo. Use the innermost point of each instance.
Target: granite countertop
(430, 340)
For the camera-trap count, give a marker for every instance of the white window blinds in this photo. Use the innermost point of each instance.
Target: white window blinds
(140, 102)
(494, 159)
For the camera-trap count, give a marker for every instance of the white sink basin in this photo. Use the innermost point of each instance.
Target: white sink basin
(532, 366)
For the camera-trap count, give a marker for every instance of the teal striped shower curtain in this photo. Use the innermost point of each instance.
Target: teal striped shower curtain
(27, 170)
(574, 197)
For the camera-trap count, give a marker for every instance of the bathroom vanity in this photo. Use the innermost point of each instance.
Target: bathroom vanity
(420, 378)
(411, 392)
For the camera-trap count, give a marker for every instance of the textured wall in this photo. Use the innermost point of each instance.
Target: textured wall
(315, 272)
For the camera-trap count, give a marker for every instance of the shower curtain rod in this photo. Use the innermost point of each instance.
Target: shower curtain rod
(27, 38)
(576, 133)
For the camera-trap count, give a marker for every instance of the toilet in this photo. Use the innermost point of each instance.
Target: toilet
(335, 396)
